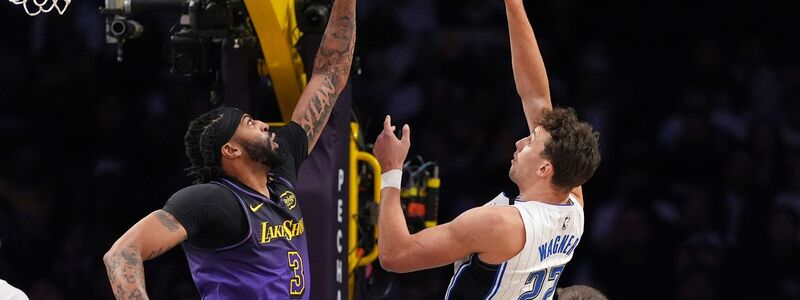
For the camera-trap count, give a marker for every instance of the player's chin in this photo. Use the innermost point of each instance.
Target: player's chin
(269, 143)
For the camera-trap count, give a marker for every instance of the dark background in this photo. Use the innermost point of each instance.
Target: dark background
(697, 104)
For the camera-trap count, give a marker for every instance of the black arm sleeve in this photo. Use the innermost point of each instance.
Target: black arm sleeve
(292, 145)
(211, 215)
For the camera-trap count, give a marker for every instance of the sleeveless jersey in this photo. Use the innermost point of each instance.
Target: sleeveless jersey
(552, 233)
(270, 263)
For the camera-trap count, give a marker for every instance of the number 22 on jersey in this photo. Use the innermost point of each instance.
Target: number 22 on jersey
(538, 279)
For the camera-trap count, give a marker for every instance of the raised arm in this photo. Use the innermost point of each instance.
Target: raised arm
(400, 251)
(147, 239)
(530, 75)
(331, 69)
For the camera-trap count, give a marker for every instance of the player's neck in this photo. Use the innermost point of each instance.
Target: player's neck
(542, 192)
(254, 177)
(257, 182)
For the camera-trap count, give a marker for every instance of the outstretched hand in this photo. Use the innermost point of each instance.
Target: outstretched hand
(390, 151)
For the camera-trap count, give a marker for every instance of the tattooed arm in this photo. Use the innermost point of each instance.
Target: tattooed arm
(331, 69)
(147, 239)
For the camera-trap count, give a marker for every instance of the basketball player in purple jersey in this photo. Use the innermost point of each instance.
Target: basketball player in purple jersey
(240, 223)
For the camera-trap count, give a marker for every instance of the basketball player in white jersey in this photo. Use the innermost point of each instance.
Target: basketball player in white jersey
(509, 248)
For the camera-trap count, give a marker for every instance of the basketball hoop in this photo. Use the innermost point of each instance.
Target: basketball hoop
(42, 6)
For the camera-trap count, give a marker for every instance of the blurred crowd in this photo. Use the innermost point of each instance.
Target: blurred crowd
(697, 105)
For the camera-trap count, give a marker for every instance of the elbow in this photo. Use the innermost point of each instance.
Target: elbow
(391, 259)
(108, 256)
(389, 262)
(394, 262)
(112, 253)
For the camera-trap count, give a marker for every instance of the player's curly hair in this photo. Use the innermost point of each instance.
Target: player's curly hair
(198, 141)
(573, 149)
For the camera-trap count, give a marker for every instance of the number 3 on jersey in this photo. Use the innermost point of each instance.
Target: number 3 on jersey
(538, 279)
(298, 282)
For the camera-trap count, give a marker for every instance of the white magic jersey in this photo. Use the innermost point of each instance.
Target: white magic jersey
(552, 233)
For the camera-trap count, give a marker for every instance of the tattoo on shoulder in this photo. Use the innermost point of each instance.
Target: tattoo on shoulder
(167, 220)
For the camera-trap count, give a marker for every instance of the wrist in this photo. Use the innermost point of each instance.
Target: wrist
(391, 179)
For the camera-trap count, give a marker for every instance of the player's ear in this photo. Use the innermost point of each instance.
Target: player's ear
(545, 169)
(230, 150)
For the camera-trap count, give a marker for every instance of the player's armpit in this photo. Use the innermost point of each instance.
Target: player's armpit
(147, 239)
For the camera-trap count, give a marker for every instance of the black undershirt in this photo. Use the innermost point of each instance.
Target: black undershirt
(211, 214)
(475, 281)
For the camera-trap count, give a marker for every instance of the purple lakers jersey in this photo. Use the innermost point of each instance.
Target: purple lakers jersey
(270, 263)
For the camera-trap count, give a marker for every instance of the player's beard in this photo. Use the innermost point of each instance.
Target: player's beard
(261, 152)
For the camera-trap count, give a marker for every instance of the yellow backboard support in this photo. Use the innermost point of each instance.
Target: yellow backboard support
(276, 27)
